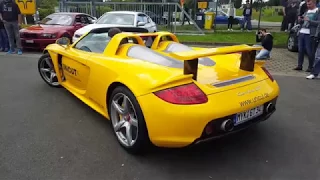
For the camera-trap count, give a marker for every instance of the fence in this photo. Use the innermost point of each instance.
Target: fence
(168, 16)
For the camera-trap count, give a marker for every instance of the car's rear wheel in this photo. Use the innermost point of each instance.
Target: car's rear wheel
(47, 72)
(292, 44)
(128, 121)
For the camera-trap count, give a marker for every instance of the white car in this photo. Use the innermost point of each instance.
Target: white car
(119, 19)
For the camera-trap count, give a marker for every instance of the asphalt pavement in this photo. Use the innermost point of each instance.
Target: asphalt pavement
(48, 134)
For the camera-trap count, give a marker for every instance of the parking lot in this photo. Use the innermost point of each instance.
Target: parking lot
(46, 133)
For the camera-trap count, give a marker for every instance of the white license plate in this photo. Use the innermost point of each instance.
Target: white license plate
(248, 115)
(29, 41)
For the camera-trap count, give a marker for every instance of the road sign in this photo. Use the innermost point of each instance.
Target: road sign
(27, 7)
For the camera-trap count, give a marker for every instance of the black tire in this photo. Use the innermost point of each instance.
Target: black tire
(292, 43)
(142, 142)
(40, 61)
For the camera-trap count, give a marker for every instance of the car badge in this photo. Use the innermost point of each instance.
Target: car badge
(249, 91)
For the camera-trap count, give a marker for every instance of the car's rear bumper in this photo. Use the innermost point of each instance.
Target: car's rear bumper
(36, 43)
(172, 125)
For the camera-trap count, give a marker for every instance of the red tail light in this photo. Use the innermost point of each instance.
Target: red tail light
(268, 73)
(185, 94)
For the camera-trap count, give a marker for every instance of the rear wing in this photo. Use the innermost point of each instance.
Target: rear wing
(190, 58)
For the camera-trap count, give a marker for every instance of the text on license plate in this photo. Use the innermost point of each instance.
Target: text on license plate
(248, 115)
(29, 41)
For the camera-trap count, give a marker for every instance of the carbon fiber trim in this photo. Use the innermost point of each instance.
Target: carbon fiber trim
(234, 81)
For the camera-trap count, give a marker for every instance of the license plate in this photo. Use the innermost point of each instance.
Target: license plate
(248, 115)
(29, 41)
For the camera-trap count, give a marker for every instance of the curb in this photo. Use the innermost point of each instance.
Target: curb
(224, 44)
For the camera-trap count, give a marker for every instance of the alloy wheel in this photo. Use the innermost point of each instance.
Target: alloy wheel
(47, 71)
(124, 119)
(290, 42)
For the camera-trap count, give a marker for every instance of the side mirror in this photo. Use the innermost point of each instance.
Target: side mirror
(64, 41)
(141, 23)
(93, 21)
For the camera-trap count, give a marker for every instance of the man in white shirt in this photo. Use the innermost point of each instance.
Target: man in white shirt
(305, 43)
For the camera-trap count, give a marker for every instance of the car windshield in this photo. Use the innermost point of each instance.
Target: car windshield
(116, 18)
(57, 19)
(93, 42)
(146, 54)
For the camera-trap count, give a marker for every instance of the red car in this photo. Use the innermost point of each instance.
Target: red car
(52, 27)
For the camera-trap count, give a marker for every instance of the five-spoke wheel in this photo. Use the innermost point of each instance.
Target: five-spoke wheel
(46, 70)
(127, 120)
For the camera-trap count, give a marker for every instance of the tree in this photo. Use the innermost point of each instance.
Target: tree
(237, 3)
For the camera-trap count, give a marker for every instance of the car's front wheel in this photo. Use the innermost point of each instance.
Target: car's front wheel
(128, 121)
(292, 44)
(46, 70)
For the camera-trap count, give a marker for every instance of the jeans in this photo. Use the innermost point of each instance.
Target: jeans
(304, 47)
(4, 44)
(263, 54)
(12, 29)
(230, 22)
(247, 20)
(316, 68)
(284, 24)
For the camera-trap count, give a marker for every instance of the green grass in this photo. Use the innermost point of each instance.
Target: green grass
(268, 14)
(280, 38)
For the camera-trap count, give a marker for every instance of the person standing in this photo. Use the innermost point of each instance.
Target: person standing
(186, 9)
(304, 39)
(247, 13)
(4, 44)
(11, 16)
(315, 35)
(231, 14)
(292, 14)
(284, 24)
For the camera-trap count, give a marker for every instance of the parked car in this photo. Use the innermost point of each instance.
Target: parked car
(120, 19)
(222, 17)
(292, 43)
(53, 27)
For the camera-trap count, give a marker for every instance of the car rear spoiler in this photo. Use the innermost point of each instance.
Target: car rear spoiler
(190, 58)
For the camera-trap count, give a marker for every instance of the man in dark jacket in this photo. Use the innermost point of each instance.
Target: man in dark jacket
(11, 16)
(247, 13)
(292, 14)
(4, 44)
(266, 43)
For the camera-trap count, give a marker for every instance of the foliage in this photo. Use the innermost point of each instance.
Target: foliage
(237, 3)
(280, 38)
(46, 7)
(268, 14)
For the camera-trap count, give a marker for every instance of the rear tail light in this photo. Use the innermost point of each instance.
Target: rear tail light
(185, 94)
(268, 73)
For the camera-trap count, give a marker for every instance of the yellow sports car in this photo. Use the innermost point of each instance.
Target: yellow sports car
(158, 91)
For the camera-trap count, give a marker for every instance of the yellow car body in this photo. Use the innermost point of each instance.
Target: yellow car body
(226, 89)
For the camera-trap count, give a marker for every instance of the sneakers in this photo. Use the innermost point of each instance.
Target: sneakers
(10, 52)
(13, 52)
(311, 76)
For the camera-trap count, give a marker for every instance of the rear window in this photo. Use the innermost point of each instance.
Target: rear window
(177, 47)
(146, 54)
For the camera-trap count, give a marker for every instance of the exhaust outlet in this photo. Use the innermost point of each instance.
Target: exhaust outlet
(269, 108)
(227, 125)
